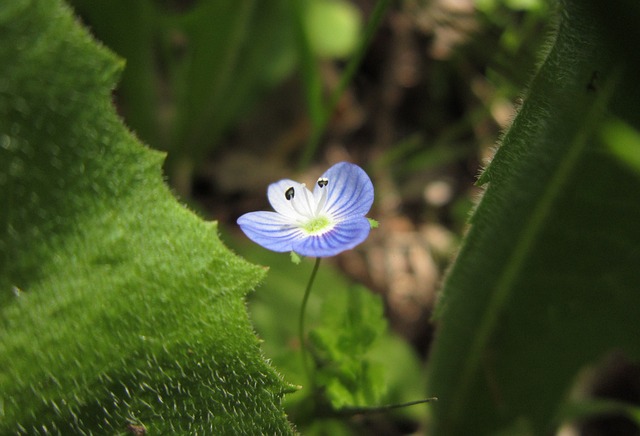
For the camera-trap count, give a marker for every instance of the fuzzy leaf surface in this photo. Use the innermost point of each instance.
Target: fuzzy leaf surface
(547, 280)
(118, 307)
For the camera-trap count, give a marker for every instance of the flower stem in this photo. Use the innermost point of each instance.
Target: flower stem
(303, 309)
(350, 411)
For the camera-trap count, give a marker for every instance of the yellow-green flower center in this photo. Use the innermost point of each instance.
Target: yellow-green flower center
(317, 225)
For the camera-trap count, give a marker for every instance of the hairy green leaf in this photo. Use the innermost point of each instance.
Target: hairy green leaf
(547, 280)
(119, 308)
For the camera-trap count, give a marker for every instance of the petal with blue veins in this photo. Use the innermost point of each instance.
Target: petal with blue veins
(343, 236)
(350, 191)
(271, 230)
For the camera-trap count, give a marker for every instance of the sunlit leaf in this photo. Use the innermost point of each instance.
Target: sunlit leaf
(119, 308)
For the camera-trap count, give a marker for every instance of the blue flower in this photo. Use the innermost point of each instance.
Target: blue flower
(322, 223)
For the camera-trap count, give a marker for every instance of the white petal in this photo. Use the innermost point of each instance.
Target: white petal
(276, 195)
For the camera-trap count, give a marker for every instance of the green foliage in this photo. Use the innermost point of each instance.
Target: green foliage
(361, 362)
(341, 347)
(194, 70)
(191, 73)
(513, 41)
(118, 306)
(547, 279)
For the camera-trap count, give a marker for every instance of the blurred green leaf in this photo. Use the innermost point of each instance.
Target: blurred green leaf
(547, 280)
(333, 26)
(319, 112)
(192, 73)
(591, 408)
(624, 142)
(118, 306)
(489, 6)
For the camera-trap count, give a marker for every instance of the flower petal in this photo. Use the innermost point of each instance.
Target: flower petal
(271, 230)
(344, 236)
(296, 207)
(350, 191)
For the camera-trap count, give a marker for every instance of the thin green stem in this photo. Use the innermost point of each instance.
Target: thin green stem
(350, 411)
(303, 309)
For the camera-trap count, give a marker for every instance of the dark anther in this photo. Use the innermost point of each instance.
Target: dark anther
(322, 182)
(289, 193)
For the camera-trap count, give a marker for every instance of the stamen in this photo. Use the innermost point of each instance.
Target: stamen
(298, 205)
(306, 197)
(289, 193)
(322, 183)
